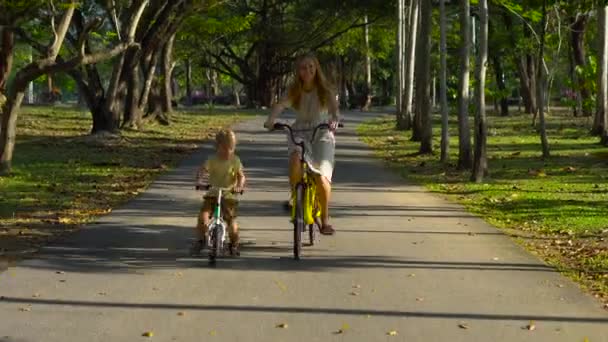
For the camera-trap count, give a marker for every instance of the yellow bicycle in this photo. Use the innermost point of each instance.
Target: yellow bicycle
(306, 210)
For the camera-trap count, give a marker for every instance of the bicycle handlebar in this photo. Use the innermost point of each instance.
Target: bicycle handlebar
(280, 126)
(208, 187)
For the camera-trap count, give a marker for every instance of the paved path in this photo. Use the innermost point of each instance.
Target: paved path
(403, 260)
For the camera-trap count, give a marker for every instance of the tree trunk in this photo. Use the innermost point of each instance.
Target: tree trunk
(400, 73)
(500, 82)
(542, 85)
(443, 75)
(237, 97)
(464, 148)
(577, 36)
(6, 59)
(133, 115)
(368, 69)
(8, 132)
(526, 91)
(167, 73)
(188, 82)
(602, 108)
(532, 86)
(423, 109)
(480, 163)
(149, 70)
(407, 105)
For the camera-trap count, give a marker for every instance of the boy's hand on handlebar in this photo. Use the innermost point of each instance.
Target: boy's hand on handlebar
(269, 124)
(201, 187)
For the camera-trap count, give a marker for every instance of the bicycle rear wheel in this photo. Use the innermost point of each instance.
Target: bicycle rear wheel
(298, 222)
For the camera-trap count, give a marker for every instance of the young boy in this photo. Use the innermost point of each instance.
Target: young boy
(223, 170)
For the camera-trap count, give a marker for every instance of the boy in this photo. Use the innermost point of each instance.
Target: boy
(223, 170)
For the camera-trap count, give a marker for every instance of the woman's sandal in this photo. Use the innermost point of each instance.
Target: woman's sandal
(327, 230)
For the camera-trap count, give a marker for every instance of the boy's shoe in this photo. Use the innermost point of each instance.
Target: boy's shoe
(234, 250)
(197, 247)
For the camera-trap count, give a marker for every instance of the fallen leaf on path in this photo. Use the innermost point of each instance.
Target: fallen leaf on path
(463, 325)
(282, 326)
(213, 333)
(281, 285)
(60, 272)
(531, 326)
(102, 294)
(356, 286)
(36, 295)
(392, 333)
(147, 334)
(420, 299)
(342, 330)
(62, 280)
(354, 293)
(181, 313)
(411, 275)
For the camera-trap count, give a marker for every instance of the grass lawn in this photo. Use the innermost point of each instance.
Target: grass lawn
(558, 208)
(62, 177)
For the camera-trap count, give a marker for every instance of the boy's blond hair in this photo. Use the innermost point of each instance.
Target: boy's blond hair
(225, 137)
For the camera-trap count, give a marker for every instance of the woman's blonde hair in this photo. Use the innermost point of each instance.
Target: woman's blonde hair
(320, 81)
(225, 137)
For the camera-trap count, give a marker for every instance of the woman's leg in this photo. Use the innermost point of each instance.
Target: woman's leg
(295, 169)
(324, 193)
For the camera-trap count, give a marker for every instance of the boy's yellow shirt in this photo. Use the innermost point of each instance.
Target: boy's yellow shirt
(223, 174)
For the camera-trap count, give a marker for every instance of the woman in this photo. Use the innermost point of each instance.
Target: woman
(311, 97)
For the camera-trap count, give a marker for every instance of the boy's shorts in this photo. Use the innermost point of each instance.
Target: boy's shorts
(229, 207)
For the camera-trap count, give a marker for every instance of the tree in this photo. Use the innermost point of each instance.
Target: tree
(602, 108)
(368, 67)
(407, 109)
(464, 136)
(578, 26)
(445, 138)
(10, 110)
(400, 55)
(149, 25)
(424, 124)
(256, 42)
(480, 164)
(542, 84)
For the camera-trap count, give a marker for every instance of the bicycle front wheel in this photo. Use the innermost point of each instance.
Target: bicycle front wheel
(298, 222)
(214, 249)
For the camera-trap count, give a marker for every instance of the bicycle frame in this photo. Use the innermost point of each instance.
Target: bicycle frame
(217, 226)
(308, 184)
(305, 208)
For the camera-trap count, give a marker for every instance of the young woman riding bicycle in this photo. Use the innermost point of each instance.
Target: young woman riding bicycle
(311, 98)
